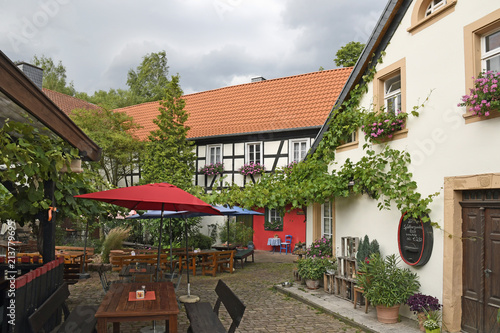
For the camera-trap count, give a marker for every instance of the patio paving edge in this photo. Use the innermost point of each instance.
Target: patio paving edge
(286, 291)
(344, 310)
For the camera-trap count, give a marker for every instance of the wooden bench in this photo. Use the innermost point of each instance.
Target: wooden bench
(76, 250)
(243, 254)
(204, 319)
(81, 319)
(220, 260)
(119, 261)
(89, 252)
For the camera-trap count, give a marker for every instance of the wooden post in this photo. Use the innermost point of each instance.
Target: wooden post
(48, 227)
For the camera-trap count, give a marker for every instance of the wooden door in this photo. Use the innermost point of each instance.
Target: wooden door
(481, 266)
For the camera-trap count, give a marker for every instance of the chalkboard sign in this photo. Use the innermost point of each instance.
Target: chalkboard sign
(415, 240)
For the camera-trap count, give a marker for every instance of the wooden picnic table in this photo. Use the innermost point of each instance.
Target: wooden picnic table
(140, 271)
(116, 306)
(222, 247)
(203, 254)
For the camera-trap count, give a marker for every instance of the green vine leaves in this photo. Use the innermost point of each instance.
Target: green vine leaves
(28, 157)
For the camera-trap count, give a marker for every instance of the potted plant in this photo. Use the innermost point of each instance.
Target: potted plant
(321, 247)
(485, 96)
(432, 322)
(365, 249)
(312, 269)
(213, 169)
(420, 304)
(387, 286)
(252, 169)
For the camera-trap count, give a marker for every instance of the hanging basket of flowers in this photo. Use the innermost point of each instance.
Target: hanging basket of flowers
(213, 169)
(252, 169)
(485, 96)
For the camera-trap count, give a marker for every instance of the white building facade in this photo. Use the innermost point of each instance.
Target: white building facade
(433, 48)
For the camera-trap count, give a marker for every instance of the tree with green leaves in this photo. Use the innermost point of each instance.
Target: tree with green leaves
(149, 80)
(111, 99)
(348, 54)
(54, 76)
(114, 133)
(170, 156)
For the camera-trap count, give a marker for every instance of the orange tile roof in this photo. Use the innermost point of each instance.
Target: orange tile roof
(68, 103)
(292, 102)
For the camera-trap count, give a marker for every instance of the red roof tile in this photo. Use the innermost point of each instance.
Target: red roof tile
(68, 103)
(285, 103)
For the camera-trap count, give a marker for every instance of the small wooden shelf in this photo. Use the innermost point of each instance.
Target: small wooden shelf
(345, 279)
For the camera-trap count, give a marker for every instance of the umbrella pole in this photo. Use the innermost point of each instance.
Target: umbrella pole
(159, 244)
(170, 238)
(188, 298)
(187, 257)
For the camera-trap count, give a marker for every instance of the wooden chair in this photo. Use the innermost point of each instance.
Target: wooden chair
(204, 319)
(359, 290)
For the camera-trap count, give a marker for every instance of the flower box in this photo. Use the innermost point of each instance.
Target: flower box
(485, 96)
(213, 169)
(252, 169)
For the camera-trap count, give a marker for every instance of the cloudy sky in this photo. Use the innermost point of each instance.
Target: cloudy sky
(210, 43)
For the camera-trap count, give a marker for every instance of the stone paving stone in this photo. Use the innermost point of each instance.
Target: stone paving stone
(267, 310)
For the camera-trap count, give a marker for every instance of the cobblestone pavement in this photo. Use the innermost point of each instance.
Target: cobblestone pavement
(266, 309)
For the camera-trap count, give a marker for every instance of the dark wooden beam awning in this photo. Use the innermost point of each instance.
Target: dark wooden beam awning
(18, 95)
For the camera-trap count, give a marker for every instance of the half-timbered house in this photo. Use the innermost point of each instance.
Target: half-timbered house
(270, 122)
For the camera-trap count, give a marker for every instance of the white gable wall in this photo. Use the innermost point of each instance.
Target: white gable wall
(440, 143)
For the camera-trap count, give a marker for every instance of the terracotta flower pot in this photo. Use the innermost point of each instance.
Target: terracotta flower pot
(421, 318)
(312, 284)
(388, 315)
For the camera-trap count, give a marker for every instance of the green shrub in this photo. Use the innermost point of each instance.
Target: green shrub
(199, 241)
(314, 268)
(239, 233)
(385, 283)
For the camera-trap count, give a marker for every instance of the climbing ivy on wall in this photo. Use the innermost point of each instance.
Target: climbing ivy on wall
(382, 175)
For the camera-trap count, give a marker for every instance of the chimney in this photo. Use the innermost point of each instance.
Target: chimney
(35, 74)
(258, 79)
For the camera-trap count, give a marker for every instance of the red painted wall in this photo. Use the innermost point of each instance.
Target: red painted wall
(293, 224)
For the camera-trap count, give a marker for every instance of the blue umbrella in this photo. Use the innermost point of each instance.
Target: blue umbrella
(237, 211)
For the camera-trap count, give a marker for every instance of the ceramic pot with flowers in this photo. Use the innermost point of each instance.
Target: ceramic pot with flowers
(312, 269)
(312, 284)
(421, 304)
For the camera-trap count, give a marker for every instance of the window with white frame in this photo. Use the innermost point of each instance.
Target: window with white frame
(254, 152)
(274, 220)
(490, 57)
(351, 138)
(326, 220)
(214, 154)
(392, 94)
(299, 150)
(433, 6)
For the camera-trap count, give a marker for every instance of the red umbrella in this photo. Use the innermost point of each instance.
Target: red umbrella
(152, 197)
(157, 196)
